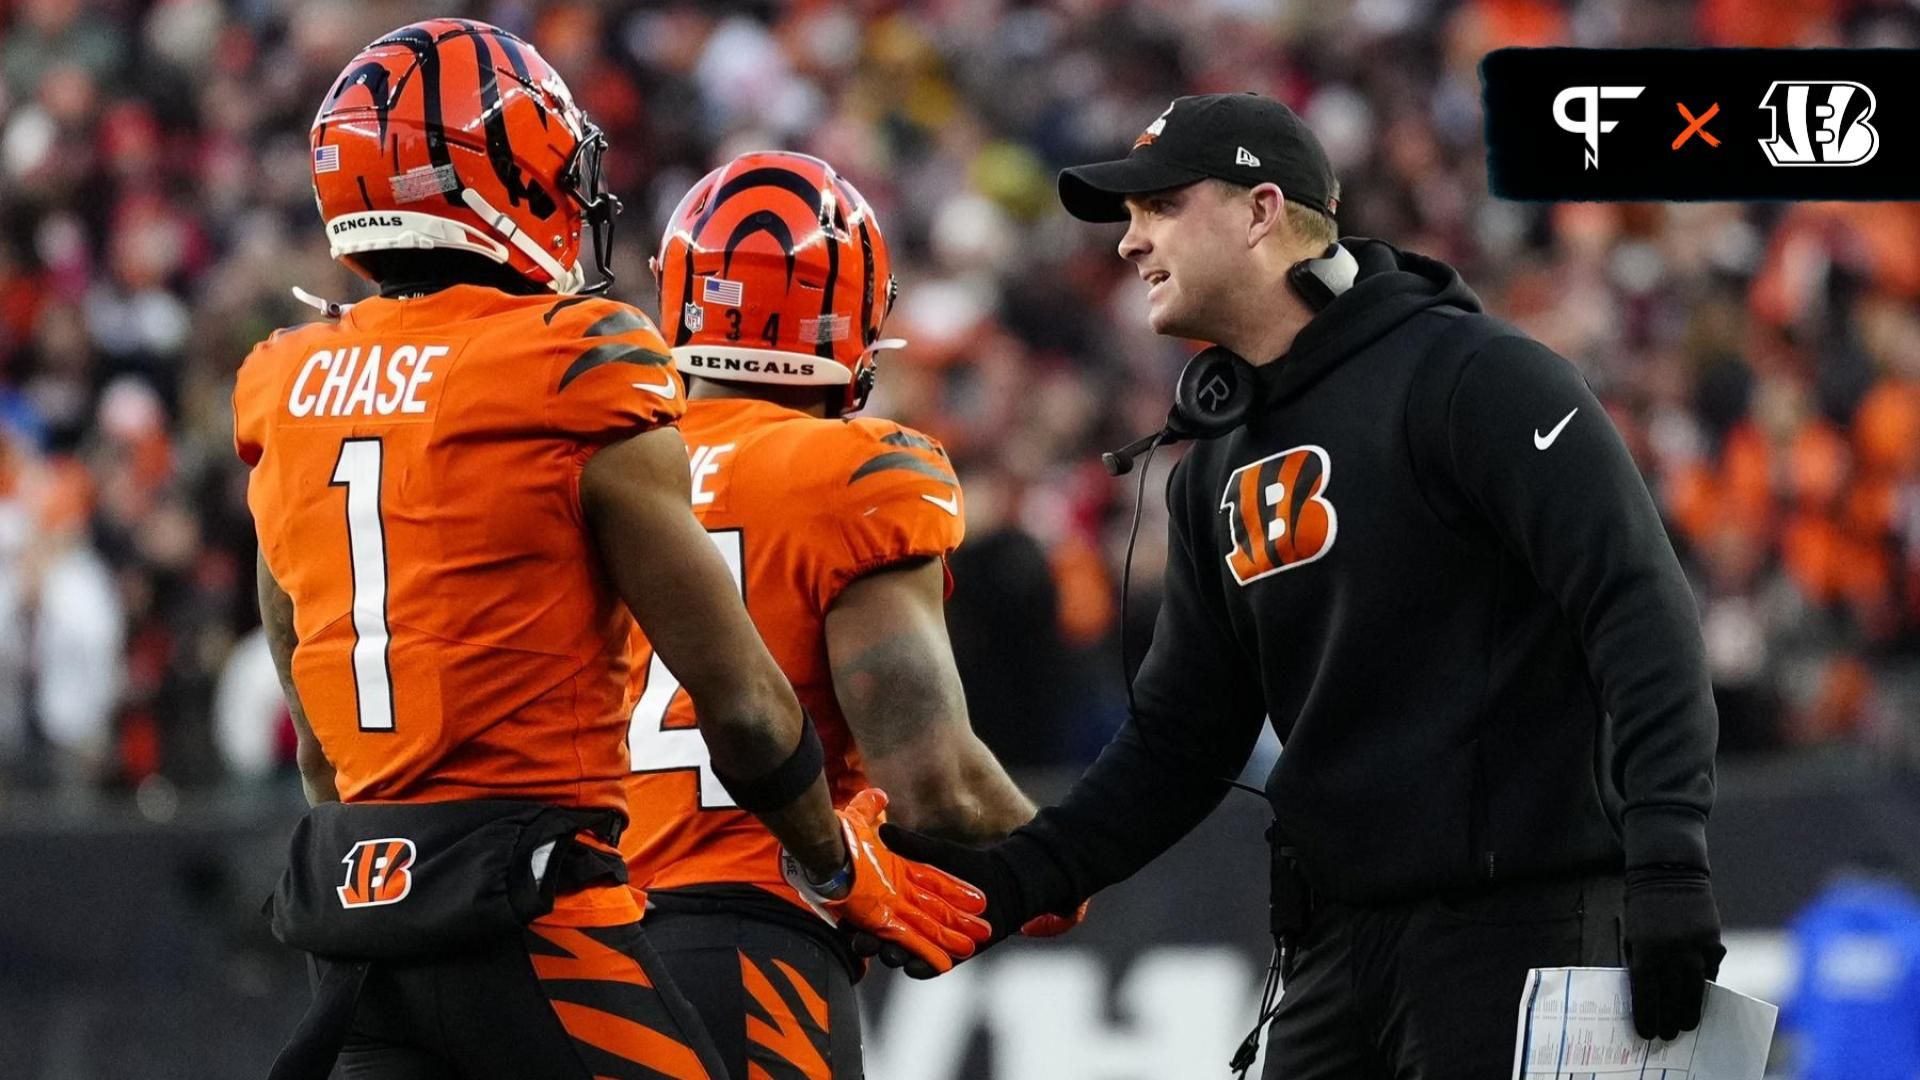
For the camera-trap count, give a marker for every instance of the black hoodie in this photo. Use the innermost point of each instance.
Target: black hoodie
(1430, 562)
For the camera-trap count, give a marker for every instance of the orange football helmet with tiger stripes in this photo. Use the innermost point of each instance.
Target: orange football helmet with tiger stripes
(455, 134)
(774, 270)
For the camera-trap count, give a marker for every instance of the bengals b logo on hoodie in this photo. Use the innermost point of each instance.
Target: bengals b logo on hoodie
(1278, 514)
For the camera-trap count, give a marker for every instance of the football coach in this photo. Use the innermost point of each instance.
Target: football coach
(1417, 547)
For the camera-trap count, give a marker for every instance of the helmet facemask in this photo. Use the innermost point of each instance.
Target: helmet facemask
(584, 180)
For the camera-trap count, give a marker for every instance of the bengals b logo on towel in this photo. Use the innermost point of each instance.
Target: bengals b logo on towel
(378, 872)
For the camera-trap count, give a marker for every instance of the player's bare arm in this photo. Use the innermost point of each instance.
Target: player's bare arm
(276, 614)
(894, 675)
(636, 497)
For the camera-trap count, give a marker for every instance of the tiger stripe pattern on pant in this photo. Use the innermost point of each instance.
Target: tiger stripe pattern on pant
(623, 1025)
(787, 1024)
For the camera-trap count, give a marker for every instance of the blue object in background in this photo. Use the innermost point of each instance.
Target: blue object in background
(1855, 1009)
(18, 415)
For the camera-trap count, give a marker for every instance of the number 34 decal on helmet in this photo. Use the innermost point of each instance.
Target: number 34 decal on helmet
(773, 270)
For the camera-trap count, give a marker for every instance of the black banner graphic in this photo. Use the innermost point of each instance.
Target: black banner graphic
(1702, 124)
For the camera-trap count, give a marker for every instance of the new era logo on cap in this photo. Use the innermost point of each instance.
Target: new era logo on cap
(1243, 156)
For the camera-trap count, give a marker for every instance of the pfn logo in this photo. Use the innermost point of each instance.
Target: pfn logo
(1826, 124)
(378, 872)
(1589, 125)
(1277, 513)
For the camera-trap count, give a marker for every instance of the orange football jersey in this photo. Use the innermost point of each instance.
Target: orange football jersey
(799, 507)
(415, 487)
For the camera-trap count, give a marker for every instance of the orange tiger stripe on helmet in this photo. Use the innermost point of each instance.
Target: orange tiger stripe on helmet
(455, 134)
(773, 269)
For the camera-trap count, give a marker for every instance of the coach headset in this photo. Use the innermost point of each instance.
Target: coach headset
(1216, 390)
(1215, 394)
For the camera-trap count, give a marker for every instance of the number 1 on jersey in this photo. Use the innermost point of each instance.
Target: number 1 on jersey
(652, 745)
(358, 470)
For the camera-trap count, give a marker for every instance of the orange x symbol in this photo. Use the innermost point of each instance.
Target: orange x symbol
(1697, 125)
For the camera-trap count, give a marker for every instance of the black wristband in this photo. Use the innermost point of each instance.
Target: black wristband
(788, 781)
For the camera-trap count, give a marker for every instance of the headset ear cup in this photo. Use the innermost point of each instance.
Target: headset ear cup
(1308, 286)
(1320, 281)
(1213, 395)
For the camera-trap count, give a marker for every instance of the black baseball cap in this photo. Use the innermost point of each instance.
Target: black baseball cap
(1243, 138)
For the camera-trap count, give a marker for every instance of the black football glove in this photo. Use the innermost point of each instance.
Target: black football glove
(1673, 947)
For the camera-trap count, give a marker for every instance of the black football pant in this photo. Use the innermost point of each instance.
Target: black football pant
(776, 999)
(1430, 990)
(552, 1003)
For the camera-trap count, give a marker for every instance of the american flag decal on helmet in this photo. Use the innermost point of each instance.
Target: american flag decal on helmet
(715, 290)
(326, 159)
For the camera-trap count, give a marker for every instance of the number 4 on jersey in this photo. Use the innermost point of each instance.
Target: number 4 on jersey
(652, 745)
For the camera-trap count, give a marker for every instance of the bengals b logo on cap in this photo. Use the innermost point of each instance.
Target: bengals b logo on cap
(378, 872)
(1154, 129)
(1277, 513)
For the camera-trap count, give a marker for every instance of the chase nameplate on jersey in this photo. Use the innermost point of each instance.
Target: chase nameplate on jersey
(389, 380)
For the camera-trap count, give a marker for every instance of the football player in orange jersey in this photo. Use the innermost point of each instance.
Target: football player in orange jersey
(456, 485)
(774, 282)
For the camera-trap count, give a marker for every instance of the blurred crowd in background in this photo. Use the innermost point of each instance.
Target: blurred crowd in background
(1762, 360)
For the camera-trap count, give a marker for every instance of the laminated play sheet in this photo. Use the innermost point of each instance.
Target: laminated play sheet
(1577, 1024)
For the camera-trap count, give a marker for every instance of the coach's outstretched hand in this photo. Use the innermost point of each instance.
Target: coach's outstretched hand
(989, 872)
(1673, 947)
(1054, 925)
(920, 914)
(982, 867)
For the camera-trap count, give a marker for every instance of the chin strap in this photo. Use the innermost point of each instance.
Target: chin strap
(561, 279)
(883, 343)
(332, 309)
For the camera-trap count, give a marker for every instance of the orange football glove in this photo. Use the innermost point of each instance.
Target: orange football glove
(1055, 925)
(929, 913)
